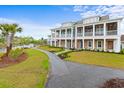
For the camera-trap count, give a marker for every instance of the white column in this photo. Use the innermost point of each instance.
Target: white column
(65, 32)
(104, 44)
(51, 42)
(83, 30)
(117, 45)
(93, 43)
(51, 39)
(75, 43)
(83, 43)
(71, 43)
(72, 32)
(75, 37)
(60, 37)
(55, 39)
(93, 30)
(65, 43)
(104, 29)
(75, 32)
(59, 42)
(118, 28)
(55, 42)
(60, 33)
(72, 37)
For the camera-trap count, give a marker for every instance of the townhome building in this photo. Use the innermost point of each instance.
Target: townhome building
(95, 33)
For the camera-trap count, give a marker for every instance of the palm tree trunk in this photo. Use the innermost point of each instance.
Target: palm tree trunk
(9, 43)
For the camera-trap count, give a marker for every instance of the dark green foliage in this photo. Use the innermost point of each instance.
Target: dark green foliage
(122, 51)
(15, 53)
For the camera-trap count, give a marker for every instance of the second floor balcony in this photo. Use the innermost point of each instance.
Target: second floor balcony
(88, 34)
(111, 32)
(79, 34)
(62, 35)
(68, 35)
(99, 33)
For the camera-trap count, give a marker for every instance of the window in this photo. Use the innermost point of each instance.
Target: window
(89, 44)
(99, 27)
(99, 44)
(112, 26)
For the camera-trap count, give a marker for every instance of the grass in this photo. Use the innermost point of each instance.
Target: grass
(32, 73)
(0, 56)
(52, 49)
(97, 58)
(64, 51)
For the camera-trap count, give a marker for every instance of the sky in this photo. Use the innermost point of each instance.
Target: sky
(37, 21)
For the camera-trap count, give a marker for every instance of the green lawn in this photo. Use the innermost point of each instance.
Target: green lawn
(97, 58)
(31, 73)
(52, 49)
(64, 51)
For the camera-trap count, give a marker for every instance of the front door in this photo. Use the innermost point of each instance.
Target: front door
(81, 44)
(110, 44)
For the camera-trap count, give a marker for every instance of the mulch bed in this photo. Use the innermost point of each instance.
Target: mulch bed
(114, 83)
(7, 61)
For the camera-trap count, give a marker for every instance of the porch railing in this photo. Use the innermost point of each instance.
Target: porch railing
(99, 33)
(68, 35)
(79, 34)
(88, 33)
(111, 32)
(63, 35)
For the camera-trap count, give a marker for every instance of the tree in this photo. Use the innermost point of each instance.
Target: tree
(9, 30)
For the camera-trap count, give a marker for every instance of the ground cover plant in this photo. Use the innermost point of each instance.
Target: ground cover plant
(97, 58)
(30, 73)
(52, 49)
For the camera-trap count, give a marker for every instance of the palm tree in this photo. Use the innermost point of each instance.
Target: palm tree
(9, 30)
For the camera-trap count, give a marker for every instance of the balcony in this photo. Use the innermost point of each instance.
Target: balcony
(88, 33)
(79, 34)
(99, 33)
(111, 32)
(62, 35)
(57, 35)
(68, 35)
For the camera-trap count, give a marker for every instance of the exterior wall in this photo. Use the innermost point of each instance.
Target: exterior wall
(96, 44)
(116, 38)
(63, 43)
(57, 43)
(78, 43)
(85, 44)
(73, 44)
(68, 43)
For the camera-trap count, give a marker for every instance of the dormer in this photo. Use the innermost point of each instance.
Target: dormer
(91, 20)
(67, 24)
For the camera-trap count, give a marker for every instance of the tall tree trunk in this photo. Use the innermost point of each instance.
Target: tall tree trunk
(9, 40)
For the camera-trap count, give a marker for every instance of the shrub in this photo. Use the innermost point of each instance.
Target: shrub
(122, 51)
(64, 55)
(15, 53)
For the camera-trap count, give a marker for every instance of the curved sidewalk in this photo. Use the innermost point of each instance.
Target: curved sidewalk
(73, 75)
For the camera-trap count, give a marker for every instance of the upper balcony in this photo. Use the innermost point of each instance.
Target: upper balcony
(111, 32)
(88, 30)
(79, 31)
(99, 30)
(111, 28)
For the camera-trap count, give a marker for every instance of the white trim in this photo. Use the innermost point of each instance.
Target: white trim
(101, 44)
(91, 44)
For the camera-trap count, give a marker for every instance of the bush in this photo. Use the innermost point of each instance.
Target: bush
(15, 53)
(122, 51)
(64, 55)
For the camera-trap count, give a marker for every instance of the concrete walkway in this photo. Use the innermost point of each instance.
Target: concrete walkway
(73, 75)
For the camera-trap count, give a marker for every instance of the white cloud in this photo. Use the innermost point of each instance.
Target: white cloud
(5, 20)
(30, 29)
(113, 10)
(79, 8)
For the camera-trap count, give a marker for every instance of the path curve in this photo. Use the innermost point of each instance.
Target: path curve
(73, 75)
